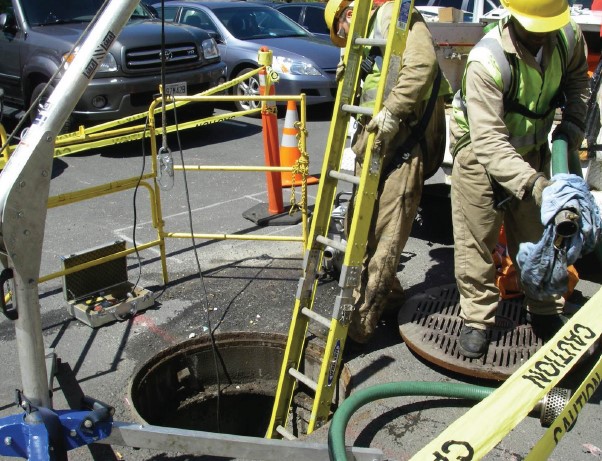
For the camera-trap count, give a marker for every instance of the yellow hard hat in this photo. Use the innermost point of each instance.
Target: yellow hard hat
(539, 15)
(332, 12)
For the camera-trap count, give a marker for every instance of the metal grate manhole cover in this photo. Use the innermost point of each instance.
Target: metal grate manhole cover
(430, 325)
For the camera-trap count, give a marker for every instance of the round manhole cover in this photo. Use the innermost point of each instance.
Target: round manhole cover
(430, 325)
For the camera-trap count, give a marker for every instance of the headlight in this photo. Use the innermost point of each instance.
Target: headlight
(210, 50)
(289, 66)
(108, 64)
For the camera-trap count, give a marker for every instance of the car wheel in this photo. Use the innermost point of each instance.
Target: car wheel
(248, 87)
(69, 123)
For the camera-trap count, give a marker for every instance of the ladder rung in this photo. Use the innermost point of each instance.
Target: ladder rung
(317, 317)
(304, 379)
(357, 109)
(336, 244)
(284, 433)
(344, 177)
(370, 41)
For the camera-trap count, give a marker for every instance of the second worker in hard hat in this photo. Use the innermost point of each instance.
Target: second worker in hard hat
(529, 64)
(412, 131)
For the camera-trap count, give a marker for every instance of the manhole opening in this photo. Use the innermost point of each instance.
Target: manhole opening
(179, 387)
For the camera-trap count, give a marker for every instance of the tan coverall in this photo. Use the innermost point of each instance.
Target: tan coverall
(399, 193)
(475, 220)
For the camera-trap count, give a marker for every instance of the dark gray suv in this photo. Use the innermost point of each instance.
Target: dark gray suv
(38, 35)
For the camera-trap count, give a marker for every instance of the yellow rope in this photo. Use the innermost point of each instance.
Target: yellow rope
(301, 167)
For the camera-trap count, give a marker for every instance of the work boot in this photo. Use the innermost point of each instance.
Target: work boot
(546, 326)
(473, 342)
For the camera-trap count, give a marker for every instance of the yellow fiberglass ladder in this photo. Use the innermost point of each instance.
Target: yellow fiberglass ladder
(354, 250)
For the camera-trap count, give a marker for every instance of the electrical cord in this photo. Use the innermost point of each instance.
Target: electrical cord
(164, 148)
(135, 209)
(199, 269)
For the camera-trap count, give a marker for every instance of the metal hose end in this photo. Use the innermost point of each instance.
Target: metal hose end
(328, 259)
(566, 223)
(551, 405)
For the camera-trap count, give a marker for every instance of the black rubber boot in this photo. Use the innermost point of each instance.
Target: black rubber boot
(473, 342)
(546, 326)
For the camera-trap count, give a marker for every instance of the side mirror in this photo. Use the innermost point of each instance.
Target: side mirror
(153, 11)
(8, 23)
(215, 36)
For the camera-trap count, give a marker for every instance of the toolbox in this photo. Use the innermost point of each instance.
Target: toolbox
(102, 293)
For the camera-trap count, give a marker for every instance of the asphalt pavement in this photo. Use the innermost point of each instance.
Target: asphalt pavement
(243, 286)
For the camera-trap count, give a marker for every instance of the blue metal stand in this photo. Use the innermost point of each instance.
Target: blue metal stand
(45, 434)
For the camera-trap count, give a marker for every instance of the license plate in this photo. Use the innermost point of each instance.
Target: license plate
(176, 89)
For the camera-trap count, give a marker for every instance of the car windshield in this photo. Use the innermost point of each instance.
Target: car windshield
(47, 12)
(254, 23)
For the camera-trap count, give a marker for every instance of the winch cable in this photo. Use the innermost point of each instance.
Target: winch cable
(34, 104)
(189, 210)
(199, 270)
(163, 95)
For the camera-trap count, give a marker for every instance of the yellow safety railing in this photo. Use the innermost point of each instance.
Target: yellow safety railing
(87, 138)
(230, 168)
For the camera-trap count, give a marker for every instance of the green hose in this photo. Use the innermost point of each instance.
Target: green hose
(336, 432)
(564, 161)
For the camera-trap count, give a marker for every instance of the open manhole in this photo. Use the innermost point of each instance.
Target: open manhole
(179, 386)
(430, 325)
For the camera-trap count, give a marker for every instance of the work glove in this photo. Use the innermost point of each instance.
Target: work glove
(340, 71)
(535, 185)
(573, 133)
(367, 65)
(387, 124)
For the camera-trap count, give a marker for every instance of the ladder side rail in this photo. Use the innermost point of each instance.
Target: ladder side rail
(320, 222)
(358, 235)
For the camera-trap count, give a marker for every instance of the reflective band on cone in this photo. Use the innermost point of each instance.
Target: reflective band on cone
(289, 147)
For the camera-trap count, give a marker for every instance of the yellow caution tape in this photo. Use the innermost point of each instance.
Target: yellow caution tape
(473, 435)
(102, 135)
(564, 422)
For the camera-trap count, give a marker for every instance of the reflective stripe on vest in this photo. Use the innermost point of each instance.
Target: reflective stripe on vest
(528, 119)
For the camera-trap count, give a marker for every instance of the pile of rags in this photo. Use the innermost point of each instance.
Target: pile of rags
(543, 265)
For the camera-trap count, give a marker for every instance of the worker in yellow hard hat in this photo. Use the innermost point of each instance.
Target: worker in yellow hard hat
(412, 132)
(516, 77)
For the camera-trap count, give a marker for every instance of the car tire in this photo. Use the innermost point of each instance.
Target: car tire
(69, 123)
(246, 88)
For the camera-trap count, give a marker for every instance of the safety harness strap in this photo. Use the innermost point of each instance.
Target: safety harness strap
(417, 132)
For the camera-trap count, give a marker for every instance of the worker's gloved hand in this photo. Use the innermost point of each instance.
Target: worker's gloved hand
(340, 73)
(367, 65)
(538, 182)
(573, 133)
(387, 124)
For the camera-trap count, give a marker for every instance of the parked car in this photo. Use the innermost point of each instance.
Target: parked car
(38, 35)
(308, 14)
(305, 63)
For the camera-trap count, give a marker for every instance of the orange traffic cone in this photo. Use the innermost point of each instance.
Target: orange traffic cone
(289, 147)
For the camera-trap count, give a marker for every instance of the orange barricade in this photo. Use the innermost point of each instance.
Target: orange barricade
(269, 121)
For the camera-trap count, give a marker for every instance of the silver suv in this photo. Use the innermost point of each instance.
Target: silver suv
(38, 35)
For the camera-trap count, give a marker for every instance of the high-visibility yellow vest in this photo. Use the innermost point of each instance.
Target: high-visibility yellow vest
(530, 98)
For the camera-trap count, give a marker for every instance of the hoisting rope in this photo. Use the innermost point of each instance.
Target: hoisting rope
(166, 171)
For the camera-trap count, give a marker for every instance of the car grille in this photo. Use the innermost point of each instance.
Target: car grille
(150, 58)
